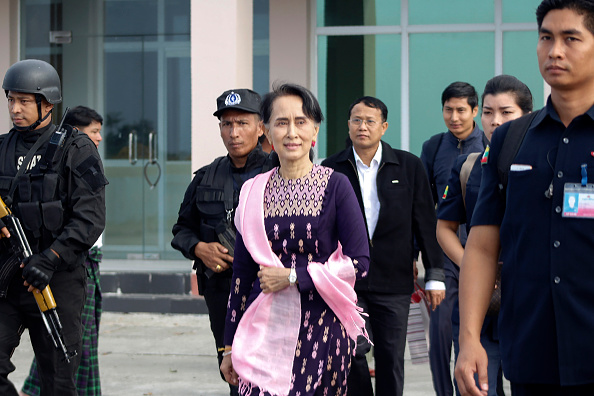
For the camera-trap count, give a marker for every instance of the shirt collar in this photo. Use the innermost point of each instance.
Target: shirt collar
(376, 158)
(590, 112)
(549, 110)
(476, 133)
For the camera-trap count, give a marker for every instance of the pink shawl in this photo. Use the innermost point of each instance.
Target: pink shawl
(266, 338)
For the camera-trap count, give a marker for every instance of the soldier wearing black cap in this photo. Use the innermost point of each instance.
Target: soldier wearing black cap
(205, 231)
(53, 180)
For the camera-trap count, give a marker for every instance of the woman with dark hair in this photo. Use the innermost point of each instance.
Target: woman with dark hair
(301, 244)
(505, 98)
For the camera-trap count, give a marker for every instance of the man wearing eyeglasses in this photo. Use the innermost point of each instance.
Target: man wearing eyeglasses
(459, 107)
(394, 195)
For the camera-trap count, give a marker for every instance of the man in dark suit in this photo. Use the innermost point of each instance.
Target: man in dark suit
(393, 192)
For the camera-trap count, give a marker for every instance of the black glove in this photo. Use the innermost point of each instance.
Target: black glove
(39, 268)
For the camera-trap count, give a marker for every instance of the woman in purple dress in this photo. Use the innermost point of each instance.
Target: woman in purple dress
(301, 244)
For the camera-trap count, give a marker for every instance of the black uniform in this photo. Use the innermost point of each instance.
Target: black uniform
(61, 206)
(201, 212)
(546, 320)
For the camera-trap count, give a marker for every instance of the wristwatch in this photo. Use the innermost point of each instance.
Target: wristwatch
(292, 277)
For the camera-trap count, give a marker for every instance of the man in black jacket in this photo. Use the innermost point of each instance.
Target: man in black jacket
(56, 189)
(393, 192)
(205, 230)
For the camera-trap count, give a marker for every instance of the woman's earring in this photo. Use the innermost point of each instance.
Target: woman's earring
(313, 144)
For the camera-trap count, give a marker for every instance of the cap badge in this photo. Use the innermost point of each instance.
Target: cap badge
(233, 99)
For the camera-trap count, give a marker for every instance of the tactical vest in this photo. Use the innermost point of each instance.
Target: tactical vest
(216, 199)
(210, 198)
(36, 196)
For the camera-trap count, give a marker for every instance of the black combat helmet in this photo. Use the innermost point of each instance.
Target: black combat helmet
(36, 77)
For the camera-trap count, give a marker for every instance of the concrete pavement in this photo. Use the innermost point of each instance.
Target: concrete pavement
(164, 355)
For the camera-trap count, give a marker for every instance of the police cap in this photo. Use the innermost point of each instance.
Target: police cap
(238, 99)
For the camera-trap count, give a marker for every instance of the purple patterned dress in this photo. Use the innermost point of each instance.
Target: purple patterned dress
(304, 220)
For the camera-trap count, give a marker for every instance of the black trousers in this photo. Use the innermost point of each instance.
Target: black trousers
(216, 295)
(443, 332)
(387, 324)
(19, 311)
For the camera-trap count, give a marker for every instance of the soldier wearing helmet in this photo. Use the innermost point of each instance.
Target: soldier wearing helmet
(32, 79)
(54, 183)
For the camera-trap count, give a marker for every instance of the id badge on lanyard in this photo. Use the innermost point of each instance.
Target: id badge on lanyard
(578, 198)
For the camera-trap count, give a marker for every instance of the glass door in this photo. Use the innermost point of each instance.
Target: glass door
(147, 149)
(147, 126)
(130, 61)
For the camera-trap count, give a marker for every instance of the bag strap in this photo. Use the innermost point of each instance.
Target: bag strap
(511, 145)
(216, 172)
(229, 194)
(432, 148)
(209, 176)
(465, 172)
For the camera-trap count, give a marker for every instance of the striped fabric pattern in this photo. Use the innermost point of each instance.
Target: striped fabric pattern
(87, 376)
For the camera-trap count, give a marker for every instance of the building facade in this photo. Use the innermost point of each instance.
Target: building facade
(153, 69)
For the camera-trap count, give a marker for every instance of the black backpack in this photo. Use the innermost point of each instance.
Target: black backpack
(431, 148)
(511, 144)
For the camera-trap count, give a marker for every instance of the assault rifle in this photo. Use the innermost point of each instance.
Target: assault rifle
(15, 249)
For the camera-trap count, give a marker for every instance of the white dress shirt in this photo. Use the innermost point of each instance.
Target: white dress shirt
(367, 181)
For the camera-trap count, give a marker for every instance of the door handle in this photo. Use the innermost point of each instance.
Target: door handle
(152, 147)
(152, 159)
(132, 147)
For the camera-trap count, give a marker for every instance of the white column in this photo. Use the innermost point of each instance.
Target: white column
(546, 93)
(221, 50)
(289, 42)
(9, 47)
(404, 79)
